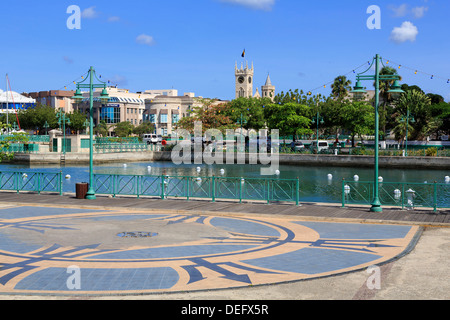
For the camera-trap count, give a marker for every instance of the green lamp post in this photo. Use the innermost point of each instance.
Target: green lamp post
(104, 99)
(359, 91)
(46, 126)
(316, 120)
(241, 121)
(62, 120)
(408, 119)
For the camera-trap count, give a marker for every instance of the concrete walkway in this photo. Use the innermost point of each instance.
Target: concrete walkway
(319, 211)
(276, 246)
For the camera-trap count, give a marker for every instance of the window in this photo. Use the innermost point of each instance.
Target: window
(110, 114)
(175, 118)
(152, 118)
(163, 118)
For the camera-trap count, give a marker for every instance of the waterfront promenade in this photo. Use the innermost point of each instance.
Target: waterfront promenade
(316, 211)
(202, 250)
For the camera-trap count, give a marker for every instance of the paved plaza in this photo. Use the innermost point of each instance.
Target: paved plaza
(126, 246)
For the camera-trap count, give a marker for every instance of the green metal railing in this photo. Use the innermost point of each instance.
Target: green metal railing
(31, 181)
(120, 147)
(267, 190)
(108, 140)
(21, 148)
(30, 138)
(398, 194)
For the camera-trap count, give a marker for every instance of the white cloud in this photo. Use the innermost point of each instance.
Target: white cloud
(403, 10)
(118, 80)
(114, 19)
(419, 12)
(145, 39)
(406, 32)
(254, 4)
(89, 13)
(400, 11)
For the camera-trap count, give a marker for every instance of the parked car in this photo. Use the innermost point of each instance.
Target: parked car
(323, 145)
(297, 146)
(160, 138)
(150, 138)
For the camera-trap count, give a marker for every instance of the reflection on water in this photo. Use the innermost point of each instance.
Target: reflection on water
(315, 182)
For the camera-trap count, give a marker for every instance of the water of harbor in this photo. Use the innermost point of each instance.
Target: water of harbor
(315, 182)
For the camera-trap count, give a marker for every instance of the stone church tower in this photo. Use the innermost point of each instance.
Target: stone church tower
(268, 90)
(244, 84)
(244, 81)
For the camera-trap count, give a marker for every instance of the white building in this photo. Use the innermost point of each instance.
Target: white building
(165, 111)
(12, 102)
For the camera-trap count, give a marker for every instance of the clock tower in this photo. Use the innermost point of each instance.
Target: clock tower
(244, 81)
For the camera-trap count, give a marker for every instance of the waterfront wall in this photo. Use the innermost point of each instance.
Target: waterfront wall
(441, 163)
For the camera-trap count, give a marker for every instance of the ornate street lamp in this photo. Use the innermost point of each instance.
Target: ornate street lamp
(78, 98)
(316, 120)
(359, 90)
(62, 120)
(408, 119)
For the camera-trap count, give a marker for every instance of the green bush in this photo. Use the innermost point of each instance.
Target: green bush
(431, 152)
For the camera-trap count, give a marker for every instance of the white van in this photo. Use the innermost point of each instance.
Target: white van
(150, 138)
(323, 145)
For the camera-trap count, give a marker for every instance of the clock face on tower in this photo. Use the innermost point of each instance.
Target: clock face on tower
(241, 79)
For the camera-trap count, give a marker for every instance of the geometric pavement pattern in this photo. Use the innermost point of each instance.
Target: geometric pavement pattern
(62, 251)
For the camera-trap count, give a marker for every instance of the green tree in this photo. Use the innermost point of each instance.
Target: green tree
(21, 137)
(77, 120)
(35, 118)
(341, 87)
(143, 128)
(418, 104)
(289, 118)
(252, 109)
(387, 98)
(358, 117)
(212, 116)
(102, 129)
(124, 129)
(441, 112)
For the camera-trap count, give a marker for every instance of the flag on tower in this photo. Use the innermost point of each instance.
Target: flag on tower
(243, 54)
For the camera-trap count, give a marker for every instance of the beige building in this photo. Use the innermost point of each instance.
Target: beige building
(122, 106)
(163, 108)
(165, 111)
(58, 99)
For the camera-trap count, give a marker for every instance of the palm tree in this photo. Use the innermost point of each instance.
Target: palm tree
(386, 97)
(418, 104)
(341, 87)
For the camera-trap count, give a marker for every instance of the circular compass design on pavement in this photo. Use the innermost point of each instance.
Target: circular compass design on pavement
(74, 251)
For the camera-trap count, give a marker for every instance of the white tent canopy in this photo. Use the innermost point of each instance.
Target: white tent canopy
(11, 96)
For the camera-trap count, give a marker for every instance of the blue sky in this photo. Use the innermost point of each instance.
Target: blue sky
(193, 46)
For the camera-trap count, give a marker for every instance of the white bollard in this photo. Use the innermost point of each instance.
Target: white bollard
(347, 189)
(410, 194)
